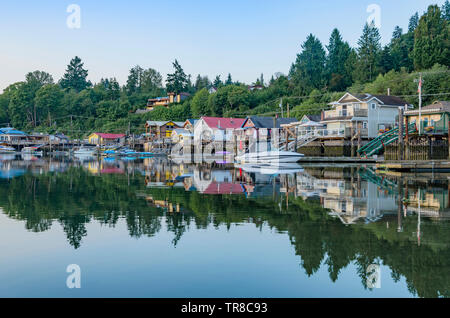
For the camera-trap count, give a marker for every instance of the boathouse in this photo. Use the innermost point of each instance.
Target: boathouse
(103, 139)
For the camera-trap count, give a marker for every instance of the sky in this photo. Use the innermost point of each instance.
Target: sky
(241, 37)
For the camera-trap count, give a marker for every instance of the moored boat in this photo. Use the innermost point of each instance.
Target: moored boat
(32, 151)
(85, 151)
(6, 149)
(269, 157)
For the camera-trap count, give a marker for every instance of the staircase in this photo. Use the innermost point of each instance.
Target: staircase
(376, 145)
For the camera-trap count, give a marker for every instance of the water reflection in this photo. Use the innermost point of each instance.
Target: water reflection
(334, 216)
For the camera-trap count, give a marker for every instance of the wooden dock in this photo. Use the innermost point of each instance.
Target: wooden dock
(415, 165)
(338, 160)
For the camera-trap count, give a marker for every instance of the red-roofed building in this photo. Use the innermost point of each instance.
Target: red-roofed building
(106, 139)
(216, 129)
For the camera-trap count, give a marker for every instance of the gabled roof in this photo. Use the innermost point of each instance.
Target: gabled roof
(436, 107)
(315, 118)
(383, 99)
(267, 122)
(224, 188)
(110, 136)
(223, 123)
(191, 121)
(162, 123)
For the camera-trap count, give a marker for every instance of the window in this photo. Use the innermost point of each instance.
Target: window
(364, 125)
(373, 106)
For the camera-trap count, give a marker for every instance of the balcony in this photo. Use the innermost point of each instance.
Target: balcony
(344, 114)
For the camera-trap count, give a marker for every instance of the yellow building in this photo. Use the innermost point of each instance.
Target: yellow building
(106, 139)
(167, 100)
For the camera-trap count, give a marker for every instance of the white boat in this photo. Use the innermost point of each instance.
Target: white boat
(84, 151)
(283, 168)
(269, 157)
(32, 151)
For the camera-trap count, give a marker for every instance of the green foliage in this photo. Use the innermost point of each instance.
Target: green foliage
(431, 40)
(75, 76)
(177, 82)
(308, 71)
(199, 103)
(369, 53)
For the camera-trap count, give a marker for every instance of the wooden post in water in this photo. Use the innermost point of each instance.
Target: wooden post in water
(448, 139)
(406, 156)
(359, 138)
(400, 134)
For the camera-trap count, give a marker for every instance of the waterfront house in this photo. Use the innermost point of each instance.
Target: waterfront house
(370, 114)
(166, 100)
(216, 128)
(11, 136)
(161, 129)
(434, 118)
(189, 124)
(181, 136)
(103, 139)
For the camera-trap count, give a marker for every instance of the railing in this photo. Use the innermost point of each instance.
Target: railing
(345, 113)
(321, 133)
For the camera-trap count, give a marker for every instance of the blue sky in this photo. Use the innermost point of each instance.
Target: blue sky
(243, 37)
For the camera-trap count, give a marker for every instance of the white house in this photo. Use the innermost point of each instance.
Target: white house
(370, 114)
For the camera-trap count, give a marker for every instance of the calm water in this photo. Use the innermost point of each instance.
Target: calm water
(154, 228)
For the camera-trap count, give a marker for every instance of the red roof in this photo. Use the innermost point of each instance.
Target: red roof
(224, 123)
(224, 188)
(110, 136)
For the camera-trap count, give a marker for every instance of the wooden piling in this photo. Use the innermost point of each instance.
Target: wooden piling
(400, 134)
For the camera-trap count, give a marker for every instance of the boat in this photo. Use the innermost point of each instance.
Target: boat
(269, 157)
(268, 169)
(6, 149)
(32, 151)
(85, 151)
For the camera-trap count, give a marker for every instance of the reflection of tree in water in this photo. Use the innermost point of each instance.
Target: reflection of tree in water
(318, 239)
(74, 227)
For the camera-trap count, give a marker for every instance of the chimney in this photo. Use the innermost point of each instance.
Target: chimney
(389, 91)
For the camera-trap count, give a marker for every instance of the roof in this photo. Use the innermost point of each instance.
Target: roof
(110, 136)
(316, 118)
(181, 131)
(384, 99)
(267, 122)
(162, 123)
(12, 131)
(224, 123)
(436, 107)
(191, 121)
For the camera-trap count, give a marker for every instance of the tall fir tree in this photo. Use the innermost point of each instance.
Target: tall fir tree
(413, 22)
(308, 71)
(369, 52)
(75, 76)
(177, 81)
(446, 10)
(338, 53)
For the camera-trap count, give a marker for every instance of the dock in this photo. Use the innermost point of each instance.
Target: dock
(415, 165)
(338, 160)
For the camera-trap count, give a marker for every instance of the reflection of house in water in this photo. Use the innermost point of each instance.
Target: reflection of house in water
(350, 200)
(105, 166)
(433, 202)
(163, 204)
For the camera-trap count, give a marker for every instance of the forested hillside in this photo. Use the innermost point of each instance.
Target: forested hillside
(320, 74)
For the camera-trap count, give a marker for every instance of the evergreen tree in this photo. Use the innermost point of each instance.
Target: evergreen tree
(338, 53)
(446, 10)
(134, 81)
(202, 82)
(431, 40)
(413, 22)
(229, 80)
(369, 51)
(401, 48)
(75, 76)
(177, 81)
(308, 70)
(217, 82)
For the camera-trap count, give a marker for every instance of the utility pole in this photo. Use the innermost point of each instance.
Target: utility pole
(420, 81)
(281, 106)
